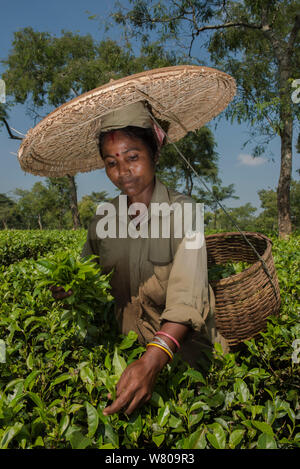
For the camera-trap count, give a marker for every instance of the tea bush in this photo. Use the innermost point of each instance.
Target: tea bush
(63, 357)
(16, 245)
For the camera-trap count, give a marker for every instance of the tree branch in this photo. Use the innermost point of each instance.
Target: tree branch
(11, 135)
(230, 25)
(274, 126)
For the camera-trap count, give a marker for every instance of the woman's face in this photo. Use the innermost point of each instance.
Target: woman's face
(129, 165)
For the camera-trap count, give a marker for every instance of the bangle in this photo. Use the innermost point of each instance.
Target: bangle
(170, 337)
(162, 348)
(158, 340)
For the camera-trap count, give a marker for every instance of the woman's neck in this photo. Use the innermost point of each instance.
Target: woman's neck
(143, 197)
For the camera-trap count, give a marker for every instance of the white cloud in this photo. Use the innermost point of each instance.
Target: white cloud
(249, 160)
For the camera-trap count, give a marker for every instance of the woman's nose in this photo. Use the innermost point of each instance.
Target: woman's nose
(124, 168)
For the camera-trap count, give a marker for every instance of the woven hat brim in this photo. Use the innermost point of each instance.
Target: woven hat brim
(66, 141)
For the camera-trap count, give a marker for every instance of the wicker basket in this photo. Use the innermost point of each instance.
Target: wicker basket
(245, 300)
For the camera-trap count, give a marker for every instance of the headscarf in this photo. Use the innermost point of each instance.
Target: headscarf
(135, 114)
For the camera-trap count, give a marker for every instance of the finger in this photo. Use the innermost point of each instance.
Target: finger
(62, 294)
(120, 403)
(55, 288)
(137, 402)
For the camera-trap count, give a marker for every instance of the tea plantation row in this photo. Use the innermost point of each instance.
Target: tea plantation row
(59, 360)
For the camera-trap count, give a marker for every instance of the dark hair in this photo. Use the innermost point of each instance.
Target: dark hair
(146, 135)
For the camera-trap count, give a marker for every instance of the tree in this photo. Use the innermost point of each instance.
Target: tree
(7, 206)
(88, 206)
(295, 204)
(44, 70)
(243, 216)
(65, 193)
(45, 206)
(267, 219)
(198, 148)
(36, 207)
(218, 193)
(256, 42)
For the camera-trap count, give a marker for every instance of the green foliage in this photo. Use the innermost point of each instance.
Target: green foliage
(199, 149)
(255, 42)
(88, 205)
(218, 271)
(51, 70)
(16, 245)
(46, 205)
(267, 219)
(57, 375)
(243, 217)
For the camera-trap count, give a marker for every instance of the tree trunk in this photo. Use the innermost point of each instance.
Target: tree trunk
(284, 183)
(286, 134)
(40, 221)
(74, 203)
(215, 219)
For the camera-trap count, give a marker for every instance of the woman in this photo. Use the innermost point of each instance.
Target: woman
(160, 287)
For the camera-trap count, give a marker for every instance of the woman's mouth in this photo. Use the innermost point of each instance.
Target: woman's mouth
(126, 183)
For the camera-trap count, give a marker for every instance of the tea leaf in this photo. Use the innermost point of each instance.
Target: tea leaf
(119, 364)
(92, 418)
(235, 438)
(266, 441)
(218, 437)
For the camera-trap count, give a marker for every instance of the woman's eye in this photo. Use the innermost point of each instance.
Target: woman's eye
(110, 164)
(133, 157)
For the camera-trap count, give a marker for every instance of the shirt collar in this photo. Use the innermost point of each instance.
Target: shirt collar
(160, 193)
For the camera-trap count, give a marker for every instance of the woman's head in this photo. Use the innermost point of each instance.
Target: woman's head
(129, 145)
(130, 155)
(146, 135)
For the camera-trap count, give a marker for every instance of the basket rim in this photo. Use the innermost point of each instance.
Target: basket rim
(235, 278)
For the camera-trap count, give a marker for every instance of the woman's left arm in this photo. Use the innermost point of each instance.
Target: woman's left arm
(138, 379)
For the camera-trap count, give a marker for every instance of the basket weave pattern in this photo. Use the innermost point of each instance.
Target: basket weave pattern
(245, 300)
(66, 141)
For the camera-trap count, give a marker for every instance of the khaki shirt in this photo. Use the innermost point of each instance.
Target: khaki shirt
(158, 279)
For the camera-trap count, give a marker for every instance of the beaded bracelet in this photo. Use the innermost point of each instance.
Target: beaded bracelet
(152, 344)
(170, 337)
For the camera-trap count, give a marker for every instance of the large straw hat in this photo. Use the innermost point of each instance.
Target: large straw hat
(65, 142)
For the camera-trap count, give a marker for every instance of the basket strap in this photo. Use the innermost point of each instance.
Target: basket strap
(219, 203)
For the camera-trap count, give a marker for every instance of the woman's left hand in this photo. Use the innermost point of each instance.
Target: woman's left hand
(137, 382)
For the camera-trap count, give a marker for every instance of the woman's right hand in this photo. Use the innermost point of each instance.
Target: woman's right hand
(59, 293)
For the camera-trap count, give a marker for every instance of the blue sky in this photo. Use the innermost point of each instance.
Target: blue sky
(235, 163)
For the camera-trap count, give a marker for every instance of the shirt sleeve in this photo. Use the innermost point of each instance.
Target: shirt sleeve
(187, 298)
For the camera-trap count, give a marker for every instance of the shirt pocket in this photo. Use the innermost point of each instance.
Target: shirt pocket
(154, 289)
